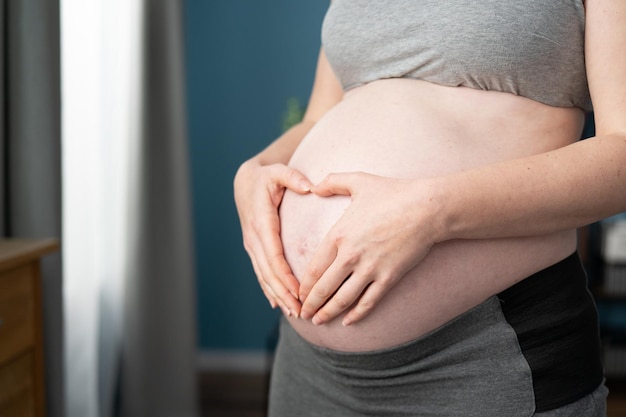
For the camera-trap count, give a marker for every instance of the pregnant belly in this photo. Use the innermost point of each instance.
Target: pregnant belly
(387, 128)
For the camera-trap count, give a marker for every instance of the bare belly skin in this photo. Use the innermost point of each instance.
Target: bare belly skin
(413, 129)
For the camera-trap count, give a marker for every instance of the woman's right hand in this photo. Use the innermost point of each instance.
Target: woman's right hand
(258, 193)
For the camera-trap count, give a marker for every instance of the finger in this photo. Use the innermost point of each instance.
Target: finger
(276, 279)
(347, 294)
(291, 178)
(369, 299)
(325, 288)
(322, 259)
(272, 248)
(336, 184)
(285, 285)
(266, 231)
(273, 284)
(251, 246)
(267, 291)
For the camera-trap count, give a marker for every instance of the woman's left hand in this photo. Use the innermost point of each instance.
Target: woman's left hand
(387, 229)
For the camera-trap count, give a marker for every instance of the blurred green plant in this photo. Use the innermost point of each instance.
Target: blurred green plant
(293, 114)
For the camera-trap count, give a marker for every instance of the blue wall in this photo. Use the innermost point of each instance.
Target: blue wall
(245, 59)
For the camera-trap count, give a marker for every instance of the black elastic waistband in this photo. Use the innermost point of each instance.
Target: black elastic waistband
(555, 318)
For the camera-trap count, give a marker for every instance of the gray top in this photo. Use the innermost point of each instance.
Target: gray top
(531, 48)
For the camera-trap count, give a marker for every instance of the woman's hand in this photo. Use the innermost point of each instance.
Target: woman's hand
(258, 193)
(386, 230)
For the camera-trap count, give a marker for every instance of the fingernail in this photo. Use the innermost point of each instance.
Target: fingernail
(346, 322)
(304, 186)
(305, 315)
(316, 321)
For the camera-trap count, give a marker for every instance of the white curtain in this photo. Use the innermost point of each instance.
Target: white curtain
(128, 291)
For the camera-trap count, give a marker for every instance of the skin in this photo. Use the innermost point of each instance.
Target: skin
(414, 243)
(259, 186)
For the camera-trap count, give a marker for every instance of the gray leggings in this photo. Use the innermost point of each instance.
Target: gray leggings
(470, 367)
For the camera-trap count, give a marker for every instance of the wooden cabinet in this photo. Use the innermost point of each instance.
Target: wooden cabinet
(21, 345)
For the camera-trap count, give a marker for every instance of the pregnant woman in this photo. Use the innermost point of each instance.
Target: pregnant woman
(418, 227)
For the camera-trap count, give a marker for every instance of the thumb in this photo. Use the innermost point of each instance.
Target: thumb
(335, 184)
(293, 179)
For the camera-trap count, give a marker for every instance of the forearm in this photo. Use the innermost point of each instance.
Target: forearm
(563, 189)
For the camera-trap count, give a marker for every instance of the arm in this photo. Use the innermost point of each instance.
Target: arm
(259, 186)
(558, 190)
(567, 188)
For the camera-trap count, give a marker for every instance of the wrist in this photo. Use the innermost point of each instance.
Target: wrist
(438, 209)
